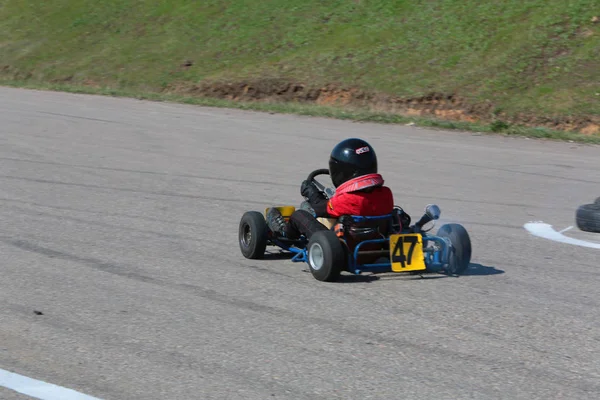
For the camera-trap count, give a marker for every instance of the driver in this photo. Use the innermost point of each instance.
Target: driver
(359, 191)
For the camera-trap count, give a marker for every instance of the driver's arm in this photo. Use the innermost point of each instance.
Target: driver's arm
(315, 198)
(320, 207)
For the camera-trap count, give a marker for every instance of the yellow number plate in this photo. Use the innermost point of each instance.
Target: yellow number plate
(406, 253)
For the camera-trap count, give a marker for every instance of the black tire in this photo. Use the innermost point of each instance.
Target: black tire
(326, 256)
(460, 254)
(253, 235)
(588, 217)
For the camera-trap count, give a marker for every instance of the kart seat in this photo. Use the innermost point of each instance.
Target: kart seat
(362, 228)
(354, 229)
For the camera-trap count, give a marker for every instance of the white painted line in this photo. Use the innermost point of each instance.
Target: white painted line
(566, 229)
(39, 389)
(546, 231)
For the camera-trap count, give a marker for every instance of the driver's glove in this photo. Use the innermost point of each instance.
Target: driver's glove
(309, 191)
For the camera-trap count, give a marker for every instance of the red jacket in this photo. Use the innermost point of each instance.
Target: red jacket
(351, 198)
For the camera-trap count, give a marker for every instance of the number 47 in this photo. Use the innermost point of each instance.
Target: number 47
(398, 255)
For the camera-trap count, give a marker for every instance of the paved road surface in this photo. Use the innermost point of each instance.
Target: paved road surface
(118, 221)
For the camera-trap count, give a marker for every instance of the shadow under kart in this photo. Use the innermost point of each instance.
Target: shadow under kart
(357, 244)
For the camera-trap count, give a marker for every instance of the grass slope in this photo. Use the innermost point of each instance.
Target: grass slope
(533, 56)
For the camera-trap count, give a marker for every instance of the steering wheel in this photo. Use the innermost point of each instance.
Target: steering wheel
(327, 191)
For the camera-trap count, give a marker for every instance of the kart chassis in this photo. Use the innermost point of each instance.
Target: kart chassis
(436, 250)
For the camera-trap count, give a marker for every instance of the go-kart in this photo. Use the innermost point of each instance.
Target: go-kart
(357, 244)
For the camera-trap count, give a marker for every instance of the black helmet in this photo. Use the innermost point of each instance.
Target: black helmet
(351, 158)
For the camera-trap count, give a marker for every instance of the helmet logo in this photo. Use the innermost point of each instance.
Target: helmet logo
(362, 150)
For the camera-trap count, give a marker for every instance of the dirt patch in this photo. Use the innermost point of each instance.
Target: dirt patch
(591, 129)
(445, 106)
(15, 74)
(63, 79)
(91, 83)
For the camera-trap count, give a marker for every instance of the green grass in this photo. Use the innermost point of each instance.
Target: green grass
(525, 56)
(321, 111)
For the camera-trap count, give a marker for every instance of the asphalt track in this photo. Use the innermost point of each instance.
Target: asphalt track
(118, 221)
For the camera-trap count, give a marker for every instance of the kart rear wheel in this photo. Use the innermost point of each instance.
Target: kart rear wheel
(588, 217)
(326, 256)
(253, 235)
(460, 254)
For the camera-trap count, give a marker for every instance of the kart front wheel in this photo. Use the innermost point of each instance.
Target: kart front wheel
(460, 253)
(253, 235)
(326, 256)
